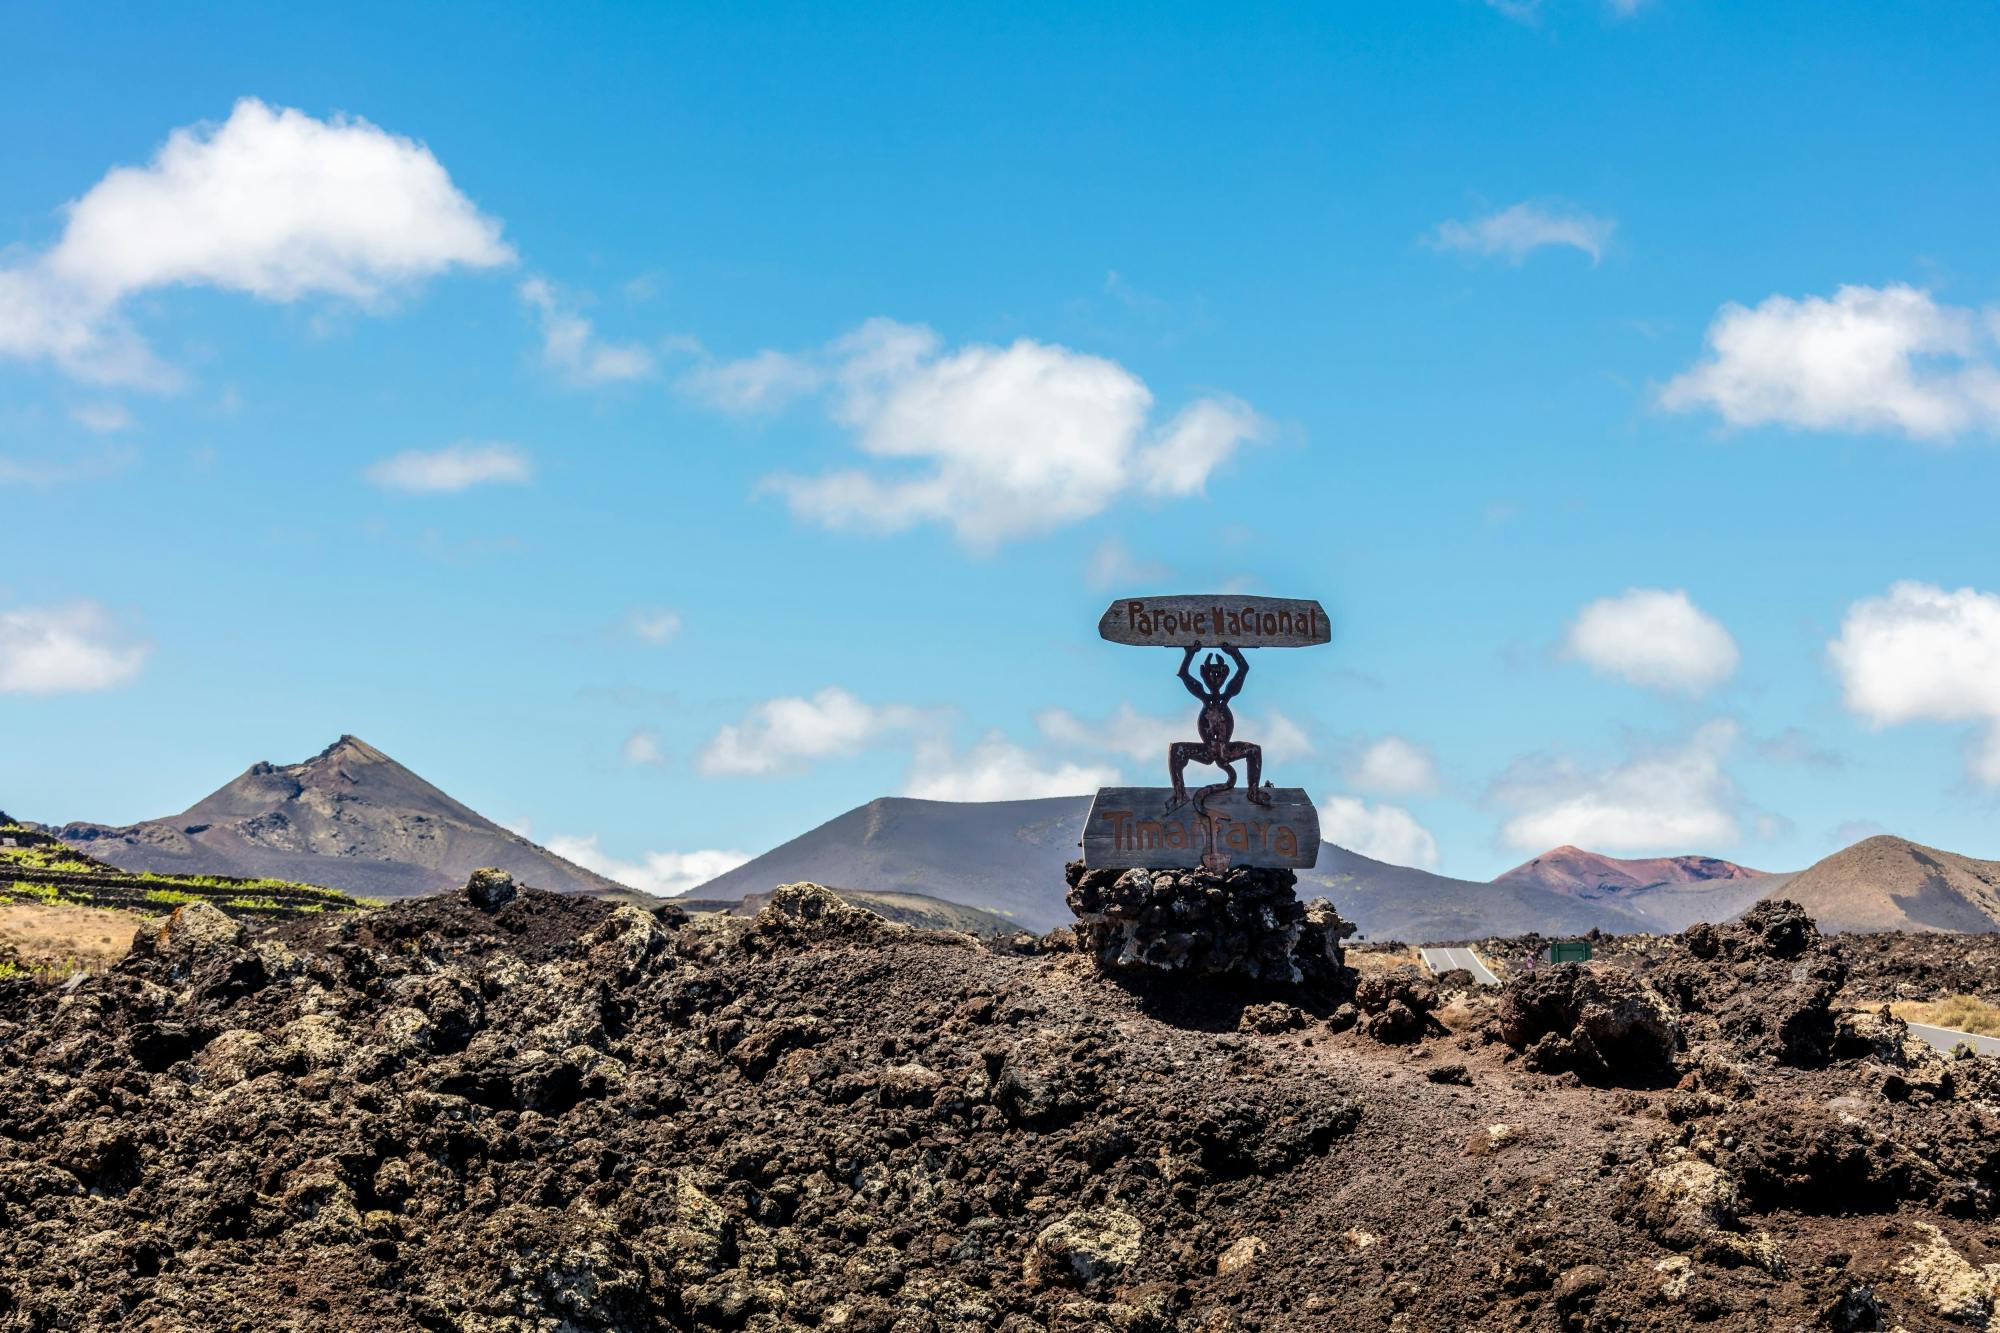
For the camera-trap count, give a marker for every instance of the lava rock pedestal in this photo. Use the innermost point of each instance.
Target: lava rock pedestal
(1246, 923)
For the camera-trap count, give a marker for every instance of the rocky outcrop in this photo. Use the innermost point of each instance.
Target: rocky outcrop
(1765, 982)
(1243, 923)
(1606, 1026)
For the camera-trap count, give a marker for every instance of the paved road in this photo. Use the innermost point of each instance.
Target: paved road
(1444, 960)
(1946, 1038)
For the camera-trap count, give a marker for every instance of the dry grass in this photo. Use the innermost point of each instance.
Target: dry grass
(1962, 1013)
(61, 938)
(1373, 960)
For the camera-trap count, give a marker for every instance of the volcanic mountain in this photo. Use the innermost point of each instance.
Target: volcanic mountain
(349, 818)
(1889, 883)
(1008, 857)
(1004, 856)
(1668, 892)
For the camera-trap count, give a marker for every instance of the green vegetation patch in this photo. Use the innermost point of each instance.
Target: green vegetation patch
(46, 856)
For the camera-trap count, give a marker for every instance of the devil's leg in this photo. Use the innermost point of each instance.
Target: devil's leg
(1253, 759)
(1252, 756)
(1179, 755)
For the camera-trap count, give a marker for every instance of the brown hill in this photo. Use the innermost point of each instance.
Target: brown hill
(349, 818)
(1666, 892)
(1575, 871)
(1890, 883)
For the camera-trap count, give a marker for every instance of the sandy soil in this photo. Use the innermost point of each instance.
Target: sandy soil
(61, 937)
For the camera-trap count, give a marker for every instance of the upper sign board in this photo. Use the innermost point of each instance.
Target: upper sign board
(1241, 622)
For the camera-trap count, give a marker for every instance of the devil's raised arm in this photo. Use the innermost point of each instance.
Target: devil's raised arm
(1187, 680)
(1242, 670)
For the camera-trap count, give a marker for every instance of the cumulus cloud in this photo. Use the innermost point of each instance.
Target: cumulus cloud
(1144, 737)
(271, 203)
(998, 770)
(1864, 359)
(1653, 637)
(993, 442)
(1381, 832)
(663, 873)
(642, 749)
(570, 344)
(1670, 799)
(67, 648)
(784, 735)
(1921, 653)
(1395, 767)
(1515, 233)
(456, 467)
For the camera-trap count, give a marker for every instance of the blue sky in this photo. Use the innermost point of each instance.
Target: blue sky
(671, 429)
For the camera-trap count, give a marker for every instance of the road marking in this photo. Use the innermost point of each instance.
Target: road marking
(1444, 960)
(1946, 1038)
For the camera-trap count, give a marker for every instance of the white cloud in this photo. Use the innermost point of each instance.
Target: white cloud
(1922, 653)
(271, 203)
(652, 625)
(64, 649)
(664, 873)
(642, 748)
(103, 418)
(783, 735)
(1653, 637)
(1518, 231)
(994, 442)
(1382, 832)
(998, 770)
(571, 346)
(1112, 564)
(1144, 737)
(1673, 799)
(454, 468)
(1868, 359)
(762, 383)
(1395, 767)
(1199, 439)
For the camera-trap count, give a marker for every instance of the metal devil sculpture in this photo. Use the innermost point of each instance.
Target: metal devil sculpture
(1219, 825)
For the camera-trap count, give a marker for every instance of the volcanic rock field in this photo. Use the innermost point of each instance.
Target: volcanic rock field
(503, 1109)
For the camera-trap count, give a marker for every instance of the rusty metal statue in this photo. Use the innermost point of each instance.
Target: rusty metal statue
(1216, 726)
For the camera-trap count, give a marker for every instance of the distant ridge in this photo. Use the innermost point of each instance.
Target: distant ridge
(1008, 857)
(1891, 883)
(1666, 892)
(1573, 870)
(350, 818)
(1003, 856)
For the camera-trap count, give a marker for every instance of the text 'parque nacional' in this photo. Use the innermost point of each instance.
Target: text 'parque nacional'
(1244, 622)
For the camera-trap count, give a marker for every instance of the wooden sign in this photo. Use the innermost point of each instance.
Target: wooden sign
(1131, 827)
(1242, 622)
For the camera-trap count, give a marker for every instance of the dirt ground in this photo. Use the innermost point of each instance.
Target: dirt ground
(60, 938)
(556, 1114)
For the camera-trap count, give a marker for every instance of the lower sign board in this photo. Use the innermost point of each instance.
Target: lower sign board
(1132, 828)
